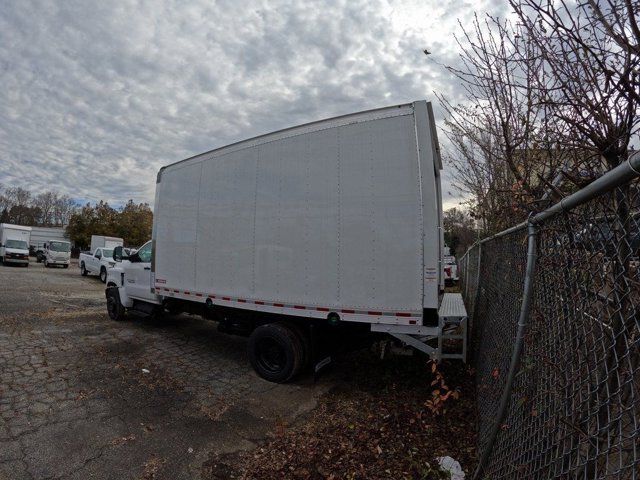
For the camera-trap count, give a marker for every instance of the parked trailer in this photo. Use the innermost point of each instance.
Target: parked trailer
(41, 235)
(102, 241)
(14, 244)
(294, 235)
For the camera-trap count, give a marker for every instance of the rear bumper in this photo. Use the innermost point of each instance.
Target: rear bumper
(58, 262)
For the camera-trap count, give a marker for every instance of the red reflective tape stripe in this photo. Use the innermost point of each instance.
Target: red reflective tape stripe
(212, 296)
(198, 294)
(226, 298)
(278, 304)
(322, 309)
(240, 300)
(258, 302)
(187, 293)
(344, 310)
(177, 291)
(300, 307)
(412, 322)
(402, 314)
(374, 313)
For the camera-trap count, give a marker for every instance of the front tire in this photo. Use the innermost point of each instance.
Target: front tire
(83, 270)
(115, 309)
(275, 352)
(103, 275)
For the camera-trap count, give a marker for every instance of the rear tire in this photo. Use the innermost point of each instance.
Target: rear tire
(275, 352)
(103, 275)
(115, 309)
(83, 270)
(305, 342)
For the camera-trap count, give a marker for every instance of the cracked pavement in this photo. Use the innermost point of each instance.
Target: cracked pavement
(84, 397)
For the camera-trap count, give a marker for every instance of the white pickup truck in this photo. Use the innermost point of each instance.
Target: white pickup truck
(97, 262)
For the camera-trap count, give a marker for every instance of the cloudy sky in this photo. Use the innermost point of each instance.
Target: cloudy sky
(96, 96)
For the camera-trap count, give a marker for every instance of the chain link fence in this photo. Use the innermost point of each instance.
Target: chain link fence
(555, 309)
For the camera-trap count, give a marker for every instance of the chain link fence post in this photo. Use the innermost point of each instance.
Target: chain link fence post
(523, 320)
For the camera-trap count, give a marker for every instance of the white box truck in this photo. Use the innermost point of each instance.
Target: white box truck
(14, 244)
(41, 235)
(301, 234)
(56, 252)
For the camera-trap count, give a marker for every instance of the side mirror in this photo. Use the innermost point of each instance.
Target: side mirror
(118, 254)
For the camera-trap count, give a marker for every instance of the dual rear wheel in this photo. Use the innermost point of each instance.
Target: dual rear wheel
(278, 351)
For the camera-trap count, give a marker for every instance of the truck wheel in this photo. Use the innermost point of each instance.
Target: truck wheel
(103, 275)
(83, 270)
(305, 342)
(114, 307)
(275, 352)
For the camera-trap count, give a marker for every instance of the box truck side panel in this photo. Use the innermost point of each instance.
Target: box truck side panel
(176, 225)
(226, 207)
(431, 212)
(328, 214)
(296, 250)
(380, 233)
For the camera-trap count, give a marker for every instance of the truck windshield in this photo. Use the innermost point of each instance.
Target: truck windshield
(59, 246)
(17, 244)
(107, 253)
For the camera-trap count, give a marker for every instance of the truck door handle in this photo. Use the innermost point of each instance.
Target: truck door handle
(147, 268)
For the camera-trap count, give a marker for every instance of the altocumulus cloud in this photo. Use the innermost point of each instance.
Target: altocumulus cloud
(96, 96)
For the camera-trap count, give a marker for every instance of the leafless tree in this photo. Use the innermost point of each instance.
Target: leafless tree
(593, 83)
(505, 150)
(590, 54)
(63, 207)
(46, 202)
(17, 196)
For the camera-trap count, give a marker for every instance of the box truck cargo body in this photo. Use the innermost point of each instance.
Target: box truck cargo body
(14, 244)
(102, 241)
(338, 220)
(340, 215)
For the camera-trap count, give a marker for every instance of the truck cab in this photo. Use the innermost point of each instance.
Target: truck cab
(129, 282)
(56, 252)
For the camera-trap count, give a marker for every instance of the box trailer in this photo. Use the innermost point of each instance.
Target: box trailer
(41, 235)
(326, 225)
(14, 244)
(102, 241)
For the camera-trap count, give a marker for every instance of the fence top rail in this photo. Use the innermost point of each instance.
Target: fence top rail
(616, 177)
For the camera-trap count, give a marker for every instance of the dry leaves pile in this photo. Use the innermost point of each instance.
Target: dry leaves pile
(378, 424)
